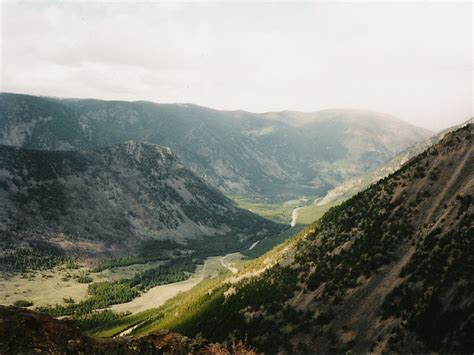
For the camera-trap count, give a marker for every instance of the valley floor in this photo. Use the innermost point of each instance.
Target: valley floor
(298, 211)
(50, 287)
(157, 296)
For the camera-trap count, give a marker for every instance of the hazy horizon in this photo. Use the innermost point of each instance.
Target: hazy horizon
(410, 60)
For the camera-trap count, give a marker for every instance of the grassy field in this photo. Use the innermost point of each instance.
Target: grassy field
(50, 287)
(281, 211)
(275, 211)
(157, 296)
(309, 214)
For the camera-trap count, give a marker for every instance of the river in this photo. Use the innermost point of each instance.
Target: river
(294, 216)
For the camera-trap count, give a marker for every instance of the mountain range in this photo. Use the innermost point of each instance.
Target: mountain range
(387, 270)
(273, 155)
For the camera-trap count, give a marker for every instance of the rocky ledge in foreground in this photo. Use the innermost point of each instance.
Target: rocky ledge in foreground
(25, 331)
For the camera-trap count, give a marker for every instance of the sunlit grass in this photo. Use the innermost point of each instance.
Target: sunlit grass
(311, 213)
(276, 211)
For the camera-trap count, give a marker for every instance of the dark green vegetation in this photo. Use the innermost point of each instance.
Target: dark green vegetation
(37, 255)
(275, 155)
(113, 202)
(23, 303)
(388, 270)
(101, 295)
(179, 270)
(84, 279)
(96, 319)
(153, 250)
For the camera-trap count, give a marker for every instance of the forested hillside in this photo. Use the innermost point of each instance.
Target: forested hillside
(391, 269)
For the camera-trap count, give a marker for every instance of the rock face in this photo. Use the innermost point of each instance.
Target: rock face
(274, 155)
(111, 200)
(26, 332)
(391, 269)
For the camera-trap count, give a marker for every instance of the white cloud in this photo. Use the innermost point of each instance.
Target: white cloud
(410, 59)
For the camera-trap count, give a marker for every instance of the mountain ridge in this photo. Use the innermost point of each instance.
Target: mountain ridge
(238, 152)
(356, 184)
(110, 200)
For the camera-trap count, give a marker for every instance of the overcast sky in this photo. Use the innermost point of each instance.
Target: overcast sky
(413, 60)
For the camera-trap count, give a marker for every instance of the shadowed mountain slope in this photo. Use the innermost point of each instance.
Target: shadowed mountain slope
(111, 200)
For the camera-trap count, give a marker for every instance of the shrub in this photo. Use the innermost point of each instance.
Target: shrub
(23, 303)
(84, 279)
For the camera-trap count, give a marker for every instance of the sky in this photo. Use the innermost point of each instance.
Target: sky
(412, 60)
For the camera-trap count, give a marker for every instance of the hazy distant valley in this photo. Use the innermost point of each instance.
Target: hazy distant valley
(312, 228)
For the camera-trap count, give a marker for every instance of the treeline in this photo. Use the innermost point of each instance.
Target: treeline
(177, 271)
(96, 319)
(153, 250)
(36, 256)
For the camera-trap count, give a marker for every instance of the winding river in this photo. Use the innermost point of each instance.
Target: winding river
(294, 216)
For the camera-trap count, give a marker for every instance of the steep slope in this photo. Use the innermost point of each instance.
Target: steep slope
(354, 185)
(238, 152)
(112, 200)
(309, 213)
(391, 269)
(23, 331)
